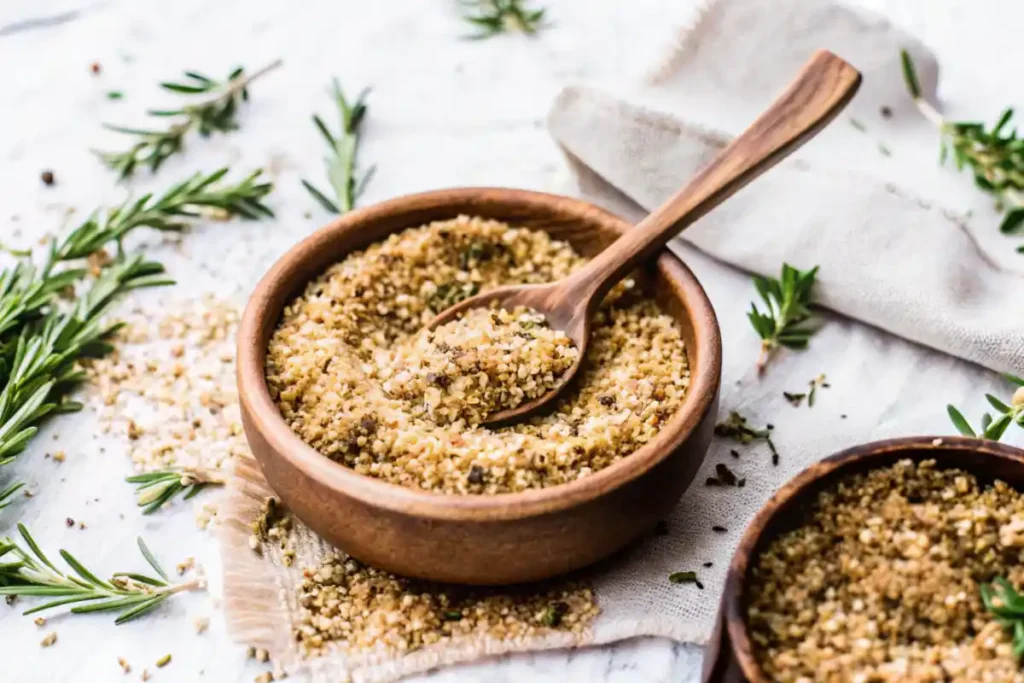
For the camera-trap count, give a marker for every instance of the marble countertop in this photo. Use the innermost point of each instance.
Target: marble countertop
(443, 112)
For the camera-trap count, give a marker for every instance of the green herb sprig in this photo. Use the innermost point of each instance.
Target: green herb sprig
(42, 340)
(172, 211)
(156, 488)
(1007, 605)
(39, 366)
(994, 426)
(31, 573)
(786, 320)
(493, 17)
(341, 161)
(994, 155)
(217, 113)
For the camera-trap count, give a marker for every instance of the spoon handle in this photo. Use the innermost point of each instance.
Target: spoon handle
(821, 89)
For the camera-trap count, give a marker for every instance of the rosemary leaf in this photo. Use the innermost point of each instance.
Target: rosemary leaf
(217, 113)
(341, 160)
(7, 495)
(786, 320)
(33, 574)
(995, 156)
(157, 487)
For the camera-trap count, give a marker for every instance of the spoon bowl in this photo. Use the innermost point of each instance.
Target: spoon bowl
(818, 93)
(573, 322)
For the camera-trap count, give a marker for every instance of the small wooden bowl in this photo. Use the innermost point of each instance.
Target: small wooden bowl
(729, 657)
(479, 539)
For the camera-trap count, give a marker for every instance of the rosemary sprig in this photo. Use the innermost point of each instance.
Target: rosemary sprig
(39, 365)
(994, 426)
(157, 487)
(1007, 605)
(341, 161)
(787, 317)
(216, 113)
(41, 342)
(501, 16)
(171, 211)
(995, 156)
(31, 573)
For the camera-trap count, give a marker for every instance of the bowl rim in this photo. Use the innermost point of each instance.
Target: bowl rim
(808, 482)
(256, 402)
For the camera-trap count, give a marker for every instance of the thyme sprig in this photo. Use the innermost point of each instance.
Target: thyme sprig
(1007, 605)
(341, 161)
(492, 17)
(216, 113)
(786, 320)
(994, 426)
(31, 573)
(994, 155)
(157, 487)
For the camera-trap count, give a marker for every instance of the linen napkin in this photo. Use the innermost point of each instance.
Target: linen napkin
(895, 264)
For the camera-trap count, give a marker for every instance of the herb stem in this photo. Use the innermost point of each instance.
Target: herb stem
(32, 573)
(995, 156)
(215, 113)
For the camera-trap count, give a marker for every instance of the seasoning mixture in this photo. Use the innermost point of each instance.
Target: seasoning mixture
(882, 581)
(169, 388)
(343, 602)
(346, 601)
(483, 362)
(332, 363)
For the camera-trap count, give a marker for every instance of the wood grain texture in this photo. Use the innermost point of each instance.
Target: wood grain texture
(505, 538)
(729, 656)
(818, 93)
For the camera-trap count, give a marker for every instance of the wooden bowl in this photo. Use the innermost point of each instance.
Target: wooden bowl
(479, 539)
(729, 657)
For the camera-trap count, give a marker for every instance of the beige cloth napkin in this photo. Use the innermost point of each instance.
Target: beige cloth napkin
(888, 259)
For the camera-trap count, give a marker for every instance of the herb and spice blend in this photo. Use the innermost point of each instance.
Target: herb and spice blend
(356, 378)
(886, 580)
(326, 602)
(483, 362)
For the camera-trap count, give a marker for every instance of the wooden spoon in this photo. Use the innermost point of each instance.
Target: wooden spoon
(821, 89)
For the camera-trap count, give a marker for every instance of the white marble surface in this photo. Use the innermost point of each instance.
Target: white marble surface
(443, 112)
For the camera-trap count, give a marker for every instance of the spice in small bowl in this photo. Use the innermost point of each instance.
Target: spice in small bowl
(902, 573)
(354, 375)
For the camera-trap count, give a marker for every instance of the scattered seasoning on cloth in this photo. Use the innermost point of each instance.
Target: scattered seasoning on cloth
(882, 580)
(346, 603)
(329, 366)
